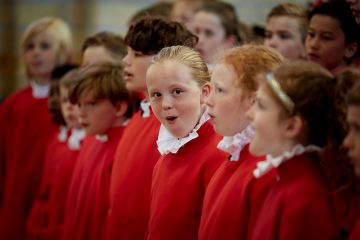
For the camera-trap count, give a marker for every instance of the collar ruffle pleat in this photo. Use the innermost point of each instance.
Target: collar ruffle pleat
(235, 144)
(167, 143)
(273, 162)
(145, 108)
(39, 91)
(77, 135)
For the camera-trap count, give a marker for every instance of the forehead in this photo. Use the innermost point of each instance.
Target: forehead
(324, 23)
(168, 71)
(207, 19)
(283, 23)
(223, 73)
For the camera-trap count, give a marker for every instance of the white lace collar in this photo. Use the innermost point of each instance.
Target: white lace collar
(273, 162)
(145, 107)
(62, 136)
(167, 143)
(104, 137)
(39, 91)
(234, 144)
(77, 135)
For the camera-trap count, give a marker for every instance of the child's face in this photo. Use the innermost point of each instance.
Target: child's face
(211, 34)
(175, 97)
(96, 115)
(183, 12)
(227, 103)
(69, 110)
(40, 56)
(269, 128)
(352, 140)
(96, 55)
(325, 42)
(355, 9)
(283, 34)
(135, 66)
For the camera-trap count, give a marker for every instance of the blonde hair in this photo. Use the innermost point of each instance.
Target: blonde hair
(58, 30)
(248, 61)
(189, 58)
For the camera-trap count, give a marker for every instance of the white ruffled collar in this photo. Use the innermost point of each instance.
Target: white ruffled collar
(104, 137)
(273, 162)
(63, 134)
(77, 135)
(234, 144)
(39, 91)
(145, 108)
(167, 143)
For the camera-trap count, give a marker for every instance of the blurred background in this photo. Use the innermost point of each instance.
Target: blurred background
(86, 17)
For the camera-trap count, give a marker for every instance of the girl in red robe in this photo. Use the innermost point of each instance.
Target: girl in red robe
(45, 44)
(177, 82)
(233, 195)
(104, 108)
(295, 119)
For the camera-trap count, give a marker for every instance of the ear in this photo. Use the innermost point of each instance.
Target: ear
(230, 41)
(294, 127)
(205, 92)
(249, 100)
(350, 50)
(120, 109)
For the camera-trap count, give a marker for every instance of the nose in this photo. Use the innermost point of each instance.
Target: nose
(249, 114)
(81, 111)
(167, 102)
(347, 143)
(125, 60)
(271, 42)
(312, 42)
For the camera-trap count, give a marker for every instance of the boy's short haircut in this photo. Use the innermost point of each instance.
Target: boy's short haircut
(110, 41)
(104, 81)
(293, 11)
(149, 35)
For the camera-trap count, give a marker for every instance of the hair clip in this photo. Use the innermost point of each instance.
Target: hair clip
(283, 97)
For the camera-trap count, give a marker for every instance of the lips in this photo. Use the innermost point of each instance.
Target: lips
(171, 119)
(313, 57)
(128, 76)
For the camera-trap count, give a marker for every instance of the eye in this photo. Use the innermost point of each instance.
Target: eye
(259, 104)
(44, 46)
(29, 46)
(311, 34)
(177, 91)
(138, 54)
(155, 95)
(268, 35)
(284, 36)
(209, 33)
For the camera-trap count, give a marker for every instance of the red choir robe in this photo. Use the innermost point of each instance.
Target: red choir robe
(40, 224)
(130, 185)
(88, 197)
(348, 210)
(179, 184)
(26, 130)
(299, 204)
(233, 199)
(355, 235)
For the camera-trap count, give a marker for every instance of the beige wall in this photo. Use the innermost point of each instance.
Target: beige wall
(86, 17)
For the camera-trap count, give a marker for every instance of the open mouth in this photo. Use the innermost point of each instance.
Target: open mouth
(171, 118)
(128, 76)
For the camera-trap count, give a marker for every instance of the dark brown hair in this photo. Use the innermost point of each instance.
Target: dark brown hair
(149, 35)
(162, 9)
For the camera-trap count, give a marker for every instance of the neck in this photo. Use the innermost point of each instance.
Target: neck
(41, 80)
